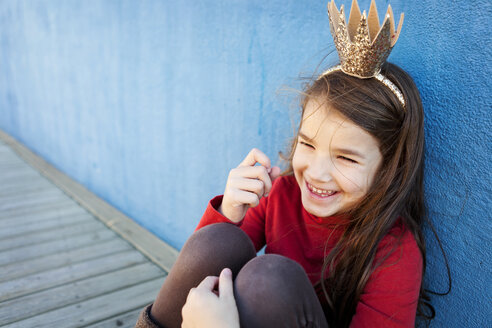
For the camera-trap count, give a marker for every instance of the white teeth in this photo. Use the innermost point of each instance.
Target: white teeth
(321, 192)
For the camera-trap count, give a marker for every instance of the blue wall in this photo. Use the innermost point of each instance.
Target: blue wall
(150, 103)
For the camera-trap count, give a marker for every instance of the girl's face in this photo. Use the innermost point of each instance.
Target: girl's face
(335, 161)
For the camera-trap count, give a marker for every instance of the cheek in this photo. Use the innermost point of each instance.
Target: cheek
(296, 161)
(371, 176)
(354, 182)
(298, 166)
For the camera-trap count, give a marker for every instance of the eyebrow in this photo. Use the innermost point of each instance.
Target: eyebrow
(305, 137)
(340, 150)
(350, 152)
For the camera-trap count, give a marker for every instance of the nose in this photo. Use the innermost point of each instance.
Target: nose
(320, 169)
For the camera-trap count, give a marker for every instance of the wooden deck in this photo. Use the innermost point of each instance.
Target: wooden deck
(60, 263)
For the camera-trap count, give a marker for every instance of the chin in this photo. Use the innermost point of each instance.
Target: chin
(317, 210)
(320, 214)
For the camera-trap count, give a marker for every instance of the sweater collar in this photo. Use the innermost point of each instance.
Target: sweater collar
(340, 219)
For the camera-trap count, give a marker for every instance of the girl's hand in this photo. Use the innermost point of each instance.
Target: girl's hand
(204, 308)
(246, 185)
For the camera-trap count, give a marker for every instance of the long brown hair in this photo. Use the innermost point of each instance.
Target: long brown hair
(397, 190)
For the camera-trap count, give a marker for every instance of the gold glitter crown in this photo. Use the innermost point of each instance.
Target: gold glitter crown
(362, 44)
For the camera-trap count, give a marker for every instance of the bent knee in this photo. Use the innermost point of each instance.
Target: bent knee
(271, 273)
(218, 236)
(274, 291)
(218, 245)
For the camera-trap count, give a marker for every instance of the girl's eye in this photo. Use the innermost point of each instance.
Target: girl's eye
(306, 144)
(347, 159)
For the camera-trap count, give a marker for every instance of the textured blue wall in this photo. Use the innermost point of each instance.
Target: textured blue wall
(150, 103)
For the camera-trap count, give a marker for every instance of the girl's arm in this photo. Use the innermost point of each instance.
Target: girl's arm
(391, 295)
(204, 308)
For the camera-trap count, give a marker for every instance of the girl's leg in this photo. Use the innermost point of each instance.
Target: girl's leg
(206, 253)
(274, 291)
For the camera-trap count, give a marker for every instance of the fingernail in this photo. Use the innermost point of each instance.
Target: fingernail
(227, 272)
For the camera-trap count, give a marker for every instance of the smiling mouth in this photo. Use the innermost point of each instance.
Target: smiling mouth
(323, 193)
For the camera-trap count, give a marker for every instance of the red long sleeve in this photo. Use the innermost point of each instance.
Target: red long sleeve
(280, 221)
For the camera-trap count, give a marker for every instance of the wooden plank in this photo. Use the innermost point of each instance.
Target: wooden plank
(7, 153)
(13, 166)
(23, 204)
(59, 276)
(26, 189)
(34, 304)
(150, 245)
(63, 258)
(49, 197)
(45, 214)
(67, 220)
(126, 320)
(4, 149)
(19, 162)
(25, 175)
(9, 158)
(21, 184)
(19, 172)
(8, 169)
(3, 152)
(46, 199)
(20, 178)
(53, 234)
(34, 209)
(37, 192)
(4, 144)
(95, 309)
(12, 257)
(16, 186)
(31, 223)
(11, 162)
(16, 170)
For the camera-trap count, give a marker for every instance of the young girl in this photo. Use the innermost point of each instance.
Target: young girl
(342, 225)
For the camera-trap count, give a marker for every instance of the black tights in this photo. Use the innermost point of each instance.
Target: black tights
(270, 290)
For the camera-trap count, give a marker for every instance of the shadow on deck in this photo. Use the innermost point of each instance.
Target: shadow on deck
(67, 258)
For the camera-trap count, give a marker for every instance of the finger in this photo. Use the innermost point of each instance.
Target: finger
(254, 172)
(242, 197)
(225, 284)
(208, 283)
(256, 186)
(256, 156)
(186, 312)
(192, 290)
(275, 173)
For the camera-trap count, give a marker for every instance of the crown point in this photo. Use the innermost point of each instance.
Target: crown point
(332, 6)
(398, 30)
(354, 19)
(389, 15)
(354, 6)
(373, 20)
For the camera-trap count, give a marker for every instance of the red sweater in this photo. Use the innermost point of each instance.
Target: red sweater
(282, 224)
